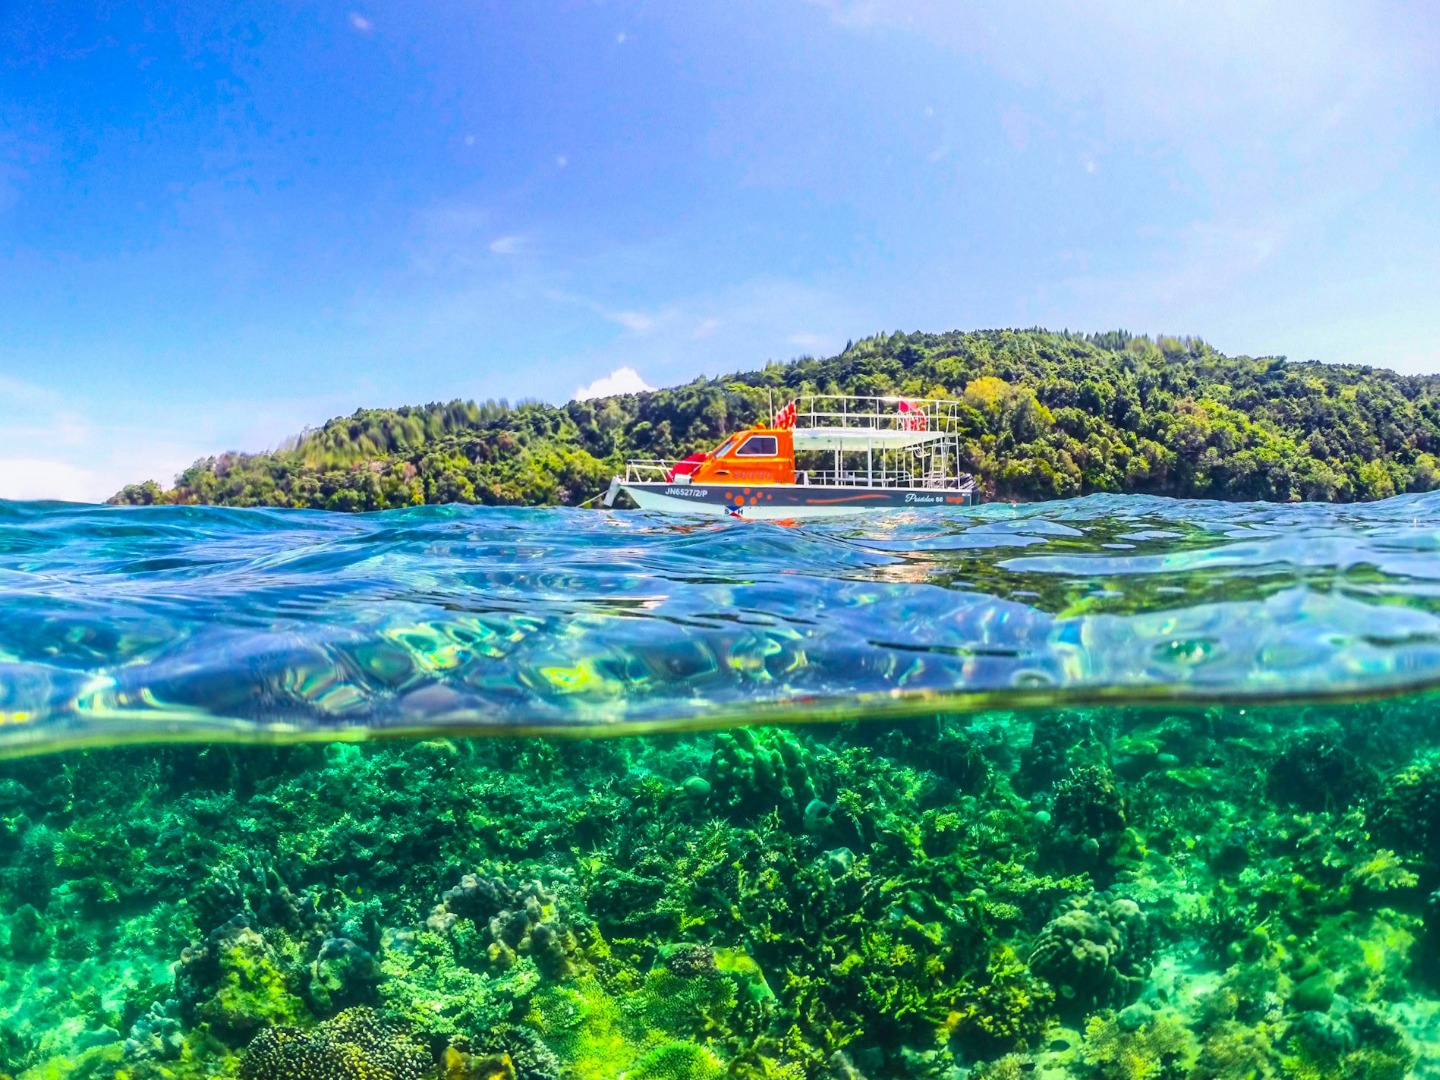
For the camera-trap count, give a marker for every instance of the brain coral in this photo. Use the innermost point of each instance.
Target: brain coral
(1095, 953)
(355, 1045)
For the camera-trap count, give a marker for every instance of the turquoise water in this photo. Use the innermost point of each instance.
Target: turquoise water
(1112, 789)
(203, 622)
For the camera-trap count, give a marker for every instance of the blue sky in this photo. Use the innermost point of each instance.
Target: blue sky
(222, 222)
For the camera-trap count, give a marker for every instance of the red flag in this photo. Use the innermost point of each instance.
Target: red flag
(915, 418)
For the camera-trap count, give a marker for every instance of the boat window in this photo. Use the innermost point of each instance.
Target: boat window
(725, 447)
(759, 446)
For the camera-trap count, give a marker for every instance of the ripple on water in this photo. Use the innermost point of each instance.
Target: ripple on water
(120, 624)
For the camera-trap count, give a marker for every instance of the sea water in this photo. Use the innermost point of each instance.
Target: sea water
(1115, 787)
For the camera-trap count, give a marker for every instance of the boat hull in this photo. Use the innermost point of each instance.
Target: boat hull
(772, 502)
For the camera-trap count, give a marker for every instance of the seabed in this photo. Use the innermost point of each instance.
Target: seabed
(1167, 892)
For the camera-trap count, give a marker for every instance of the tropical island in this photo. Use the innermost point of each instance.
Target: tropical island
(1046, 415)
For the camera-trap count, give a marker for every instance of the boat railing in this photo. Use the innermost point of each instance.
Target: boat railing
(861, 478)
(876, 413)
(647, 470)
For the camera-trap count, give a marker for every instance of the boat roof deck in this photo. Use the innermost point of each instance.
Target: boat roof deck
(857, 438)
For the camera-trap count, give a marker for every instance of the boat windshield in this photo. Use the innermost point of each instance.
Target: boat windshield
(725, 447)
(759, 446)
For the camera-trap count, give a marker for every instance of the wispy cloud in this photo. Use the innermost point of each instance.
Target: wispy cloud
(361, 23)
(462, 236)
(736, 328)
(16, 394)
(637, 321)
(625, 380)
(1177, 66)
(633, 320)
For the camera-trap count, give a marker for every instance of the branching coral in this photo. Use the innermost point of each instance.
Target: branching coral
(1059, 742)
(441, 985)
(836, 904)
(1407, 813)
(1362, 1045)
(1088, 823)
(1147, 1049)
(1002, 1010)
(1315, 772)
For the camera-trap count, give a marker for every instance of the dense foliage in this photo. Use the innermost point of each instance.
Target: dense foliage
(1046, 415)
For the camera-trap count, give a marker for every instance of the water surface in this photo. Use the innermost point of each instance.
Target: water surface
(121, 624)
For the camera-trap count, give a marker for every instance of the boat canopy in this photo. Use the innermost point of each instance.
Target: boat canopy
(861, 438)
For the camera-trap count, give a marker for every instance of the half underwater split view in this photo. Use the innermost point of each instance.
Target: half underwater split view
(1120, 787)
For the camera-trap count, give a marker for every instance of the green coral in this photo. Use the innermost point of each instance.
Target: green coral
(252, 988)
(663, 1022)
(1095, 952)
(1089, 824)
(840, 903)
(1119, 1048)
(355, 1045)
(1364, 1045)
(1407, 813)
(442, 986)
(677, 1061)
(754, 771)
(1235, 1051)
(1006, 1008)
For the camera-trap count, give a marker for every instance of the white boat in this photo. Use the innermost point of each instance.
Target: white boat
(821, 456)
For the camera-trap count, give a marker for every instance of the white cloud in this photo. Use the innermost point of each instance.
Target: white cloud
(96, 469)
(361, 23)
(625, 380)
(507, 245)
(706, 329)
(37, 478)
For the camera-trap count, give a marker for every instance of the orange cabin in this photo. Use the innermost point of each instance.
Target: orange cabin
(761, 455)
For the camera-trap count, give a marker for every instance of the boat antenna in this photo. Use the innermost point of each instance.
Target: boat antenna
(770, 401)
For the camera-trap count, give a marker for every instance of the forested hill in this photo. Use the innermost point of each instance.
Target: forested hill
(1046, 415)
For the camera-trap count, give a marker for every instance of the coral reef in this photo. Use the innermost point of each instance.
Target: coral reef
(1407, 813)
(755, 771)
(355, 1045)
(1209, 894)
(1095, 952)
(1088, 823)
(521, 921)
